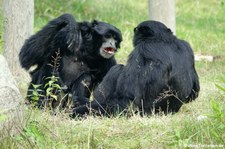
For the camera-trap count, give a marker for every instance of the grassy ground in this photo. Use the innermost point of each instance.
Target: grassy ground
(199, 124)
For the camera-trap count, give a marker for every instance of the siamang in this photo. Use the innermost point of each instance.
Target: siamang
(79, 54)
(159, 76)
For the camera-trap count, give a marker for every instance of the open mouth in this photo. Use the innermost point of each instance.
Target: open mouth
(109, 50)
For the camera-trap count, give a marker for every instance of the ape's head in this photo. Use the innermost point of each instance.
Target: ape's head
(152, 31)
(104, 38)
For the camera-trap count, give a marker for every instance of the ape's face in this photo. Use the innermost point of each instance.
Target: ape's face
(109, 38)
(108, 47)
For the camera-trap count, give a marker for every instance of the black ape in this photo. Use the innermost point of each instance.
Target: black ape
(159, 75)
(79, 53)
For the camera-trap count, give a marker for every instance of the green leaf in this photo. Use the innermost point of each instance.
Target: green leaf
(216, 109)
(54, 96)
(36, 85)
(49, 91)
(39, 90)
(57, 86)
(50, 83)
(220, 87)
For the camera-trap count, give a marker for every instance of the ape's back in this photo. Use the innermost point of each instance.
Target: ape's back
(160, 72)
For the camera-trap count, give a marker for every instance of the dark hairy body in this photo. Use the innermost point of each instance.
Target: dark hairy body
(159, 76)
(78, 53)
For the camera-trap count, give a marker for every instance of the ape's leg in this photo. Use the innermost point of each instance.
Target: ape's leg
(81, 90)
(104, 98)
(168, 105)
(88, 107)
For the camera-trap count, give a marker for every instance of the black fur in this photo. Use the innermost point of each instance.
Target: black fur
(159, 75)
(77, 45)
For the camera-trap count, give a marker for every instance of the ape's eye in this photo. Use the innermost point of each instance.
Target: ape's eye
(108, 35)
(114, 37)
(144, 29)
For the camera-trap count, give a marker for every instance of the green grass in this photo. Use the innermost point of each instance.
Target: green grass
(43, 130)
(201, 23)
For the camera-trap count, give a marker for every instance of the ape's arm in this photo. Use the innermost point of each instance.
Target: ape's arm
(191, 73)
(61, 33)
(102, 94)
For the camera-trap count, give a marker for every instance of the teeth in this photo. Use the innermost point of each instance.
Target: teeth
(110, 52)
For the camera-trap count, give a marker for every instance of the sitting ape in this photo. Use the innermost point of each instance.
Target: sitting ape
(78, 53)
(159, 75)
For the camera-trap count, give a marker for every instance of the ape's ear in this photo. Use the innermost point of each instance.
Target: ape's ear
(98, 27)
(169, 31)
(85, 27)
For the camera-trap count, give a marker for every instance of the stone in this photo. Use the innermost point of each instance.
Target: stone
(11, 100)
